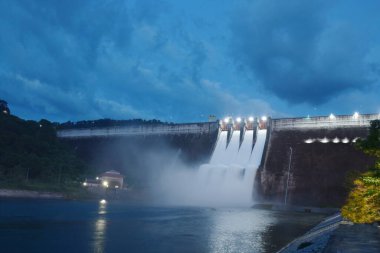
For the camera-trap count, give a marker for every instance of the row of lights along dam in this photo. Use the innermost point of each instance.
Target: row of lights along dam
(335, 140)
(249, 123)
(356, 115)
(251, 119)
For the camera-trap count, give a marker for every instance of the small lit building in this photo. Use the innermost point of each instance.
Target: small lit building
(112, 179)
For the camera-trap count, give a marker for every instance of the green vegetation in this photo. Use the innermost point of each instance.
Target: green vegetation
(32, 157)
(363, 205)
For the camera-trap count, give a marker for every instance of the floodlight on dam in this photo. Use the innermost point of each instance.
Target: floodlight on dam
(356, 115)
(324, 140)
(355, 139)
(345, 140)
(336, 140)
(308, 141)
(332, 116)
(226, 123)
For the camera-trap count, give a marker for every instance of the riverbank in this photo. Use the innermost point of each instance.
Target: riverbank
(66, 193)
(10, 193)
(335, 234)
(37, 189)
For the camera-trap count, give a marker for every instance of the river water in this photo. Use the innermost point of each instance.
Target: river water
(90, 226)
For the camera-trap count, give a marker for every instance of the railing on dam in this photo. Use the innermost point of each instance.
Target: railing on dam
(192, 128)
(340, 121)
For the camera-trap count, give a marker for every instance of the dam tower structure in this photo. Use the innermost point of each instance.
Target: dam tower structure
(229, 176)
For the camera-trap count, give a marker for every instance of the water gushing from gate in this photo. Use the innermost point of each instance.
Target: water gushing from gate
(228, 179)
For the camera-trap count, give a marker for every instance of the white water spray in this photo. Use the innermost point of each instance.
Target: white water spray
(226, 181)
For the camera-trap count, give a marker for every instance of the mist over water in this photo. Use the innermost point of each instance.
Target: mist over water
(227, 181)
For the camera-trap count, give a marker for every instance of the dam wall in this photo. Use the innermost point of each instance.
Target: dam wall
(308, 161)
(141, 152)
(141, 130)
(312, 161)
(332, 121)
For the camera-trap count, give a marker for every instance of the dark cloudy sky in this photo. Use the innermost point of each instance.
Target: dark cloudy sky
(183, 60)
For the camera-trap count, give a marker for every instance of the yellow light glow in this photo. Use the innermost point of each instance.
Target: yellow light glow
(84, 184)
(105, 184)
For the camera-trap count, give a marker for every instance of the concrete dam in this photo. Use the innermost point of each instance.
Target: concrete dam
(302, 161)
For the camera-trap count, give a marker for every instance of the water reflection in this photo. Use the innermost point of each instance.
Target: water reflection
(286, 227)
(100, 228)
(238, 231)
(96, 227)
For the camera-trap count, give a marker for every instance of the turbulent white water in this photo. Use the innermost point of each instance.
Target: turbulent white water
(220, 148)
(226, 181)
(245, 150)
(228, 178)
(258, 149)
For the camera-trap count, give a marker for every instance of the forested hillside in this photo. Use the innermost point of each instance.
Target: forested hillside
(31, 155)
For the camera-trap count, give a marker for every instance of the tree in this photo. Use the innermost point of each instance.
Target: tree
(363, 205)
(4, 107)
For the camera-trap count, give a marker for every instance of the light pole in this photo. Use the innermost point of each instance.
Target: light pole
(287, 181)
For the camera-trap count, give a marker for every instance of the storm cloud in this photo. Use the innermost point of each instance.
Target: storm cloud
(72, 60)
(181, 61)
(306, 51)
